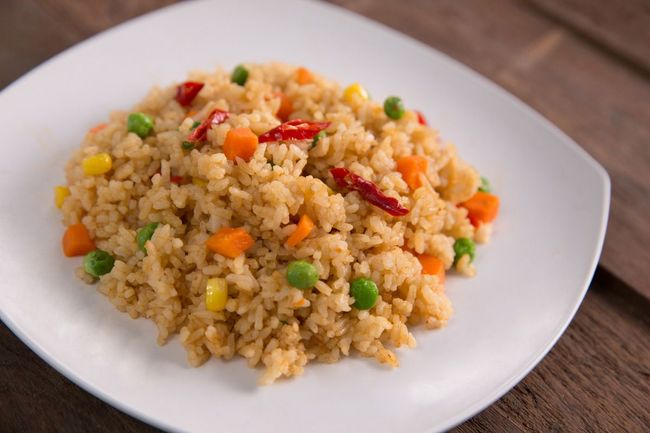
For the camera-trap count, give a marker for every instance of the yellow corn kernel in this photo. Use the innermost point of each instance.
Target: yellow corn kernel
(354, 92)
(199, 182)
(97, 164)
(60, 193)
(216, 294)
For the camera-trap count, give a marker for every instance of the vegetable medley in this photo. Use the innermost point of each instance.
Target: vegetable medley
(239, 145)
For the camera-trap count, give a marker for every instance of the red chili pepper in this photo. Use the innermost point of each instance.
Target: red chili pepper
(215, 118)
(368, 190)
(421, 118)
(178, 180)
(187, 91)
(296, 129)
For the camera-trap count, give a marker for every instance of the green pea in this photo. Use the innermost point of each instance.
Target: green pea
(302, 274)
(464, 246)
(317, 137)
(187, 145)
(145, 234)
(394, 107)
(485, 185)
(140, 124)
(98, 263)
(365, 293)
(195, 125)
(239, 75)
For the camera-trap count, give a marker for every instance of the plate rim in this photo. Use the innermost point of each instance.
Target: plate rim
(495, 89)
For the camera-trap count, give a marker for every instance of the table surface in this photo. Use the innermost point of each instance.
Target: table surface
(584, 64)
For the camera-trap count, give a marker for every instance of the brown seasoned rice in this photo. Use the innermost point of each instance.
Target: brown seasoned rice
(267, 321)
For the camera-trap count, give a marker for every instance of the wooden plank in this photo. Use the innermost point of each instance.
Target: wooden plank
(89, 18)
(598, 101)
(623, 27)
(490, 420)
(31, 31)
(28, 36)
(484, 35)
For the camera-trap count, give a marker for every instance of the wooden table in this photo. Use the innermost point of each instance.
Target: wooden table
(583, 64)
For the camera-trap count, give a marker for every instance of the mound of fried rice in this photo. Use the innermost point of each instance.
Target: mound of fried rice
(265, 320)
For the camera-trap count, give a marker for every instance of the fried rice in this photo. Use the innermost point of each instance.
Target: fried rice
(265, 319)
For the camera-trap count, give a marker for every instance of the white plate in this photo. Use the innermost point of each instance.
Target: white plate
(531, 279)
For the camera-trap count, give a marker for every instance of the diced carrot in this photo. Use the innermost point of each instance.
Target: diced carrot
(483, 207)
(432, 265)
(76, 241)
(240, 142)
(300, 303)
(410, 167)
(97, 128)
(304, 76)
(286, 108)
(304, 227)
(230, 242)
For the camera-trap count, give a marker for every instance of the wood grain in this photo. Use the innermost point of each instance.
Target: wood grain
(581, 63)
(88, 18)
(623, 27)
(25, 46)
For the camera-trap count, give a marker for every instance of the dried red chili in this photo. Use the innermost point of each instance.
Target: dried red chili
(421, 118)
(296, 129)
(187, 91)
(216, 117)
(179, 180)
(369, 191)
